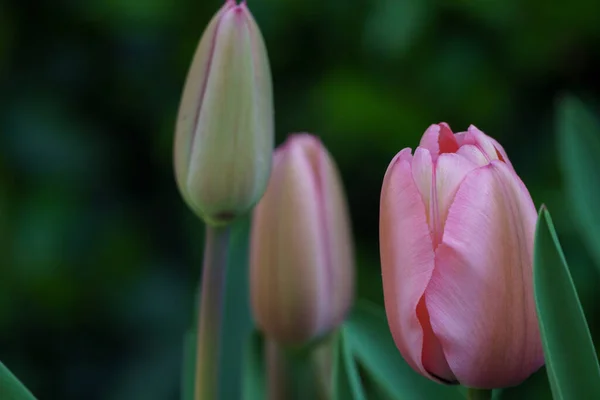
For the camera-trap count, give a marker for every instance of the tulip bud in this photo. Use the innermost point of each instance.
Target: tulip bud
(456, 241)
(301, 261)
(224, 133)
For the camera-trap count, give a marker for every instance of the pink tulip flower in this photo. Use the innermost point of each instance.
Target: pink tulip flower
(301, 250)
(456, 241)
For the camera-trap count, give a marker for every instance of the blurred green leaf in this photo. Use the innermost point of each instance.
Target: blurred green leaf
(535, 387)
(394, 25)
(11, 388)
(373, 391)
(128, 15)
(369, 337)
(153, 375)
(188, 369)
(579, 146)
(347, 383)
(345, 90)
(499, 14)
(571, 361)
(254, 379)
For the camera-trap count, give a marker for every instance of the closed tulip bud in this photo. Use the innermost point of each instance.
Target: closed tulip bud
(456, 237)
(301, 260)
(224, 133)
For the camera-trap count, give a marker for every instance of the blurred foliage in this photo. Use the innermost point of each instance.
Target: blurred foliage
(101, 258)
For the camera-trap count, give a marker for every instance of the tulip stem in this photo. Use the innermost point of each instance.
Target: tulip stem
(302, 378)
(211, 310)
(479, 394)
(292, 373)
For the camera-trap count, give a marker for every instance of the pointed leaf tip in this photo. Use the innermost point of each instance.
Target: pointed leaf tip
(571, 361)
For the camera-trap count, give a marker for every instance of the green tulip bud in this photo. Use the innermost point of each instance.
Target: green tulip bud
(224, 134)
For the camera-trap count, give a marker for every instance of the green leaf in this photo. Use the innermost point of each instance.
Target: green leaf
(579, 145)
(347, 383)
(189, 365)
(254, 379)
(369, 337)
(11, 388)
(571, 362)
(374, 391)
(535, 387)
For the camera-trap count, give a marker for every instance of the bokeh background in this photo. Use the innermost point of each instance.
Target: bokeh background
(100, 258)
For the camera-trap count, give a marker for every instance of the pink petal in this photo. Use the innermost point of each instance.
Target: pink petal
(474, 154)
(406, 258)
(287, 252)
(337, 283)
(450, 171)
(434, 360)
(488, 148)
(405, 154)
(462, 139)
(480, 298)
(422, 172)
(484, 143)
(447, 141)
(502, 156)
(438, 139)
(430, 140)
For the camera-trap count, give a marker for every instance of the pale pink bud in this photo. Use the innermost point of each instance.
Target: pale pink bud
(224, 133)
(301, 263)
(456, 241)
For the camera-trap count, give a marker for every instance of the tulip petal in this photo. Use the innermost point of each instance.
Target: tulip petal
(502, 156)
(439, 139)
(474, 154)
(447, 142)
(337, 284)
(405, 155)
(422, 172)
(406, 258)
(450, 169)
(434, 360)
(488, 146)
(430, 140)
(287, 250)
(462, 138)
(480, 298)
(192, 97)
(484, 143)
(234, 121)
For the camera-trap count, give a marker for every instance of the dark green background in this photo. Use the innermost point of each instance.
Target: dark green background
(99, 255)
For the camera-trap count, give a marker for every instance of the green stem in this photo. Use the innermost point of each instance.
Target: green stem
(211, 311)
(480, 394)
(277, 374)
(292, 374)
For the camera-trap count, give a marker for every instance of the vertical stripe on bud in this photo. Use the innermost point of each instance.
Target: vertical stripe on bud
(302, 263)
(224, 132)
